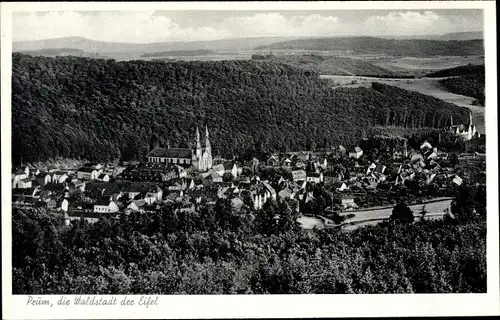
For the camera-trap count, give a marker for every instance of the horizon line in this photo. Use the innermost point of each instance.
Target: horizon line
(254, 37)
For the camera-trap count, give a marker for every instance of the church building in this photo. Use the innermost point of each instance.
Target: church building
(198, 158)
(467, 132)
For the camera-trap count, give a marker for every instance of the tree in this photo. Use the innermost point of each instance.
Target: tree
(402, 213)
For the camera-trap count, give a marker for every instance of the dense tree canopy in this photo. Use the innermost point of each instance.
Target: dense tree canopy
(100, 110)
(219, 251)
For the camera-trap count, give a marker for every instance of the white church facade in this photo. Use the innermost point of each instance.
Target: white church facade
(467, 132)
(198, 158)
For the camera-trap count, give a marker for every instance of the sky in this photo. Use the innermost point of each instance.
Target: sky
(195, 25)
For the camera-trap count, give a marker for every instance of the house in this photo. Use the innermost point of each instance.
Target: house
(215, 177)
(314, 177)
(154, 194)
(64, 205)
(43, 178)
(286, 193)
(356, 153)
(340, 186)
(103, 177)
(231, 168)
(270, 190)
(425, 145)
(457, 180)
(416, 158)
(106, 206)
(218, 169)
(236, 204)
(340, 151)
(87, 173)
(397, 154)
(322, 162)
(17, 176)
(59, 177)
(273, 161)
(347, 203)
(137, 205)
(330, 180)
(298, 175)
(24, 183)
(287, 162)
(33, 192)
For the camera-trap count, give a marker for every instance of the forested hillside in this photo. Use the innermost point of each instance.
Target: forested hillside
(217, 251)
(102, 109)
(466, 80)
(412, 48)
(330, 65)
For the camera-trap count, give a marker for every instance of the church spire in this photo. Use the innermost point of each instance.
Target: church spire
(197, 139)
(207, 141)
(470, 118)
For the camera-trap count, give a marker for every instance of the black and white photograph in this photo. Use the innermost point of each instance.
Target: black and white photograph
(248, 152)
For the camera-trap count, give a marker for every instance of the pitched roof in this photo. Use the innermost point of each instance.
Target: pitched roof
(228, 165)
(170, 153)
(86, 169)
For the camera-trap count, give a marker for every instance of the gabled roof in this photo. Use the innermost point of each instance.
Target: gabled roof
(86, 169)
(170, 153)
(229, 165)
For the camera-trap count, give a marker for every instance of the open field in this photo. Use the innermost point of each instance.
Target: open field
(421, 66)
(428, 86)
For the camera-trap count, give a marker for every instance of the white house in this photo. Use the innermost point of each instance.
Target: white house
(314, 177)
(24, 184)
(87, 173)
(298, 175)
(425, 145)
(457, 180)
(59, 177)
(219, 169)
(136, 205)
(106, 207)
(65, 205)
(356, 153)
(103, 177)
(17, 176)
(230, 167)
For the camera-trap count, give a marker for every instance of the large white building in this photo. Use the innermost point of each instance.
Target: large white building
(198, 157)
(467, 132)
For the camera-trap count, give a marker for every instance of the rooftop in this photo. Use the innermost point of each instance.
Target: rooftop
(170, 153)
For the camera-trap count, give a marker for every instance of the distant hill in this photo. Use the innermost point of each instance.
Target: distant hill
(89, 45)
(415, 48)
(330, 65)
(104, 110)
(458, 71)
(63, 52)
(471, 35)
(175, 53)
(468, 35)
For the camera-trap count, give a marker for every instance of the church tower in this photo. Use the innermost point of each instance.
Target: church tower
(208, 150)
(196, 153)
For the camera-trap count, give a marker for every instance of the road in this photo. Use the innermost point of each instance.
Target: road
(435, 208)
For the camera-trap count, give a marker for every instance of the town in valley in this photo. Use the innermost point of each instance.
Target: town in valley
(261, 152)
